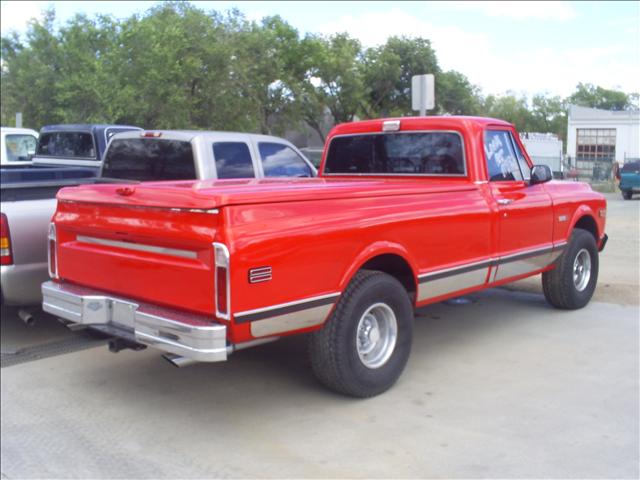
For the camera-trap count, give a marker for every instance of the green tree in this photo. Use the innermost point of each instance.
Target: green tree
(549, 114)
(31, 73)
(171, 70)
(333, 82)
(268, 71)
(509, 107)
(387, 72)
(83, 73)
(177, 66)
(588, 95)
(455, 95)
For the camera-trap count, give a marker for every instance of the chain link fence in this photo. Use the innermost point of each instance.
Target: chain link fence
(602, 174)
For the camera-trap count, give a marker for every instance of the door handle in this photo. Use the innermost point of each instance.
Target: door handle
(504, 201)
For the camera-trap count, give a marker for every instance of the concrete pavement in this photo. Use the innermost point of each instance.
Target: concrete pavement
(502, 387)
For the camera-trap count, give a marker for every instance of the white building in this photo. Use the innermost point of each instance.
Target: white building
(544, 149)
(596, 138)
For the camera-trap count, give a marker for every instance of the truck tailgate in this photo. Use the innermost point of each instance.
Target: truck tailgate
(159, 255)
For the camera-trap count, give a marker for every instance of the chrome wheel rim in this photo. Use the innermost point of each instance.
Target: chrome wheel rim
(582, 270)
(376, 335)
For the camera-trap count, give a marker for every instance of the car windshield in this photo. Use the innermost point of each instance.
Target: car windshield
(67, 144)
(20, 147)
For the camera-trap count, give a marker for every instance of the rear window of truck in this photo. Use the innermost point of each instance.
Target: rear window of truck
(67, 144)
(405, 153)
(149, 159)
(631, 167)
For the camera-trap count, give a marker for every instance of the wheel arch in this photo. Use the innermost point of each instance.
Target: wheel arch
(585, 220)
(387, 257)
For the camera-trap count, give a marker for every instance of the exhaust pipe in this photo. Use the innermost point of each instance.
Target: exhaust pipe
(27, 317)
(177, 360)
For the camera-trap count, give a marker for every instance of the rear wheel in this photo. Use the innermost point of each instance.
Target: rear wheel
(570, 285)
(627, 194)
(364, 346)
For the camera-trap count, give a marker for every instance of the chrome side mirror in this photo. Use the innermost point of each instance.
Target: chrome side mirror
(540, 174)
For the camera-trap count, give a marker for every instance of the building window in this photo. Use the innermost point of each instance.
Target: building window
(596, 144)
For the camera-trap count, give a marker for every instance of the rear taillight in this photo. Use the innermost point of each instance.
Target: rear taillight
(51, 251)
(6, 258)
(221, 276)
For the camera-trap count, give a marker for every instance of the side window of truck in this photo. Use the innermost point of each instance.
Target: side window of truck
(502, 164)
(233, 160)
(281, 161)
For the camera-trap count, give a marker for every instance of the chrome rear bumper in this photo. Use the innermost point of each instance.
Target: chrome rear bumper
(188, 335)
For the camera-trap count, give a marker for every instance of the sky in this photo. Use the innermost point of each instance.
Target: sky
(526, 47)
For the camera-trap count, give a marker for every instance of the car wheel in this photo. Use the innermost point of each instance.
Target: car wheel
(627, 194)
(364, 346)
(570, 285)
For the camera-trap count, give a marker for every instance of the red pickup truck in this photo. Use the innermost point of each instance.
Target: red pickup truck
(406, 212)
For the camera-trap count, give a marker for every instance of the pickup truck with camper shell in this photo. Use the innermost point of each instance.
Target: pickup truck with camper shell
(405, 212)
(130, 156)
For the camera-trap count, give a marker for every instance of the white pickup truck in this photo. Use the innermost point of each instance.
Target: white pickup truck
(135, 156)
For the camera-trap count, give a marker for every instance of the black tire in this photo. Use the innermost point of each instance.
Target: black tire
(333, 350)
(627, 194)
(558, 284)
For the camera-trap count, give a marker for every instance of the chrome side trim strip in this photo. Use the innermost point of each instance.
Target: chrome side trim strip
(212, 211)
(453, 279)
(288, 322)
(424, 277)
(522, 265)
(436, 286)
(284, 308)
(527, 253)
(175, 252)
